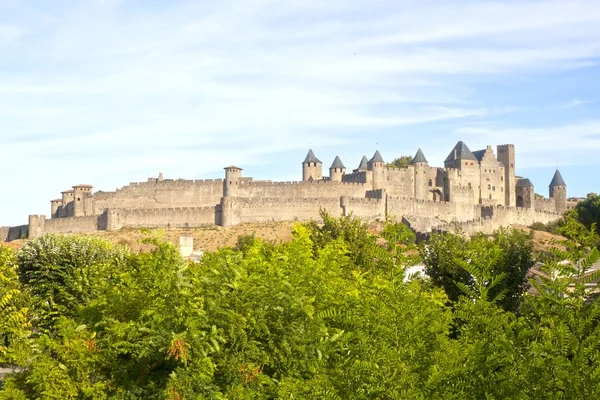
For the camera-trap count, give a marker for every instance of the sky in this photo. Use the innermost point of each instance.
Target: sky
(107, 92)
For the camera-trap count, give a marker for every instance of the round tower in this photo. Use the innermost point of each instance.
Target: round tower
(55, 206)
(231, 184)
(337, 170)
(558, 192)
(525, 193)
(419, 162)
(67, 204)
(312, 168)
(377, 166)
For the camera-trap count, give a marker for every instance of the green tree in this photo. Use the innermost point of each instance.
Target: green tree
(14, 311)
(400, 162)
(329, 315)
(63, 272)
(506, 256)
(588, 212)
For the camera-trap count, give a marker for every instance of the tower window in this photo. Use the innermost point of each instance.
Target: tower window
(430, 183)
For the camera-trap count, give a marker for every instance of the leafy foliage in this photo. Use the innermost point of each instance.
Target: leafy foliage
(400, 162)
(14, 318)
(329, 315)
(453, 262)
(63, 272)
(588, 212)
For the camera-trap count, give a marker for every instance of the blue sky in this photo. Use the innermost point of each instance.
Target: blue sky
(111, 91)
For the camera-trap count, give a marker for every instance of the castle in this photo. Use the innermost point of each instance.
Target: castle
(478, 190)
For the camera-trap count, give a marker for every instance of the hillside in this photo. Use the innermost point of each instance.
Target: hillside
(211, 238)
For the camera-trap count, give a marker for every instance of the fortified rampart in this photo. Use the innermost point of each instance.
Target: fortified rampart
(161, 194)
(10, 233)
(548, 205)
(239, 210)
(162, 217)
(299, 190)
(476, 189)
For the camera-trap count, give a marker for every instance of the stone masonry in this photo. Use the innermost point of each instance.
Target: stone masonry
(478, 190)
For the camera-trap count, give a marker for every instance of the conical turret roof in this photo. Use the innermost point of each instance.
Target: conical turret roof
(557, 180)
(363, 166)
(419, 157)
(376, 158)
(310, 158)
(337, 163)
(461, 152)
(524, 182)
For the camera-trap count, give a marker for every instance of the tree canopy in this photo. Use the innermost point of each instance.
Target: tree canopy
(329, 315)
(400, 162)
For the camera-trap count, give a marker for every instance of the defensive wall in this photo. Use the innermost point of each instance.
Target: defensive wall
(167, 193)
(10, 233)
(493, 217)
(548, 205)
(366, 209)
(237, 210)
(422, 215)
(177, 217)
(302, 189)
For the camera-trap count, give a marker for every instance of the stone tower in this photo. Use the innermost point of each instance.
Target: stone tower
(506, 155)
(231, 184)
(55, 206)
(80, 193)
(558, 192)
(421, 180)
(377, 166)
(525, 194)
(67, 204)
(337, 170)
(312, 168)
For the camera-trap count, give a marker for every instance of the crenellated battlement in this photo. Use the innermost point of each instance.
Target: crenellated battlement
(305, 183)
(164, 211)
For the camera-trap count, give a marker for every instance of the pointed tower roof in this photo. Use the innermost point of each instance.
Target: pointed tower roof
(337, 163)
(376, 158)
(419, 157)
(524, 182)
(460, 152)
(363, 166)
(310, 158)
(557, 180)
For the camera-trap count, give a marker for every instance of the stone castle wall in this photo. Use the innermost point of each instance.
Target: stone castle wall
(10, 233)
(73, 224)
(161, 194)
(239, 209)
(301, 190)
(495, 217)
(366, 209)
(162, 217)
(547, 205)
